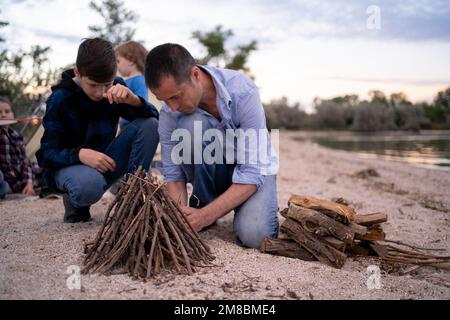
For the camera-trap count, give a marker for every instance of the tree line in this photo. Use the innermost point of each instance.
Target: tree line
(378, 113)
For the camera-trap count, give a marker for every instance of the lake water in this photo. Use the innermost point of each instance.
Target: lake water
(428, 148)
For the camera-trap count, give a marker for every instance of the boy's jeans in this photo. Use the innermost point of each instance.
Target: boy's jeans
(134, 146)
(256, 218)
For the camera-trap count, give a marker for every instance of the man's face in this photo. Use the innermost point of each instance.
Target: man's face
(183, 97)
(94, 90)
(5, 111)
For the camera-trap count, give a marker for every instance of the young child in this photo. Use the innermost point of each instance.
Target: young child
(17, 172)
(130, 64)
(79, 151)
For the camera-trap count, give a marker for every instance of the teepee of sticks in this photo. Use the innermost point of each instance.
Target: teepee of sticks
(145, 232)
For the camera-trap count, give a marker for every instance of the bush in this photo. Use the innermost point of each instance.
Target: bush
(373, 117)
(280, 115)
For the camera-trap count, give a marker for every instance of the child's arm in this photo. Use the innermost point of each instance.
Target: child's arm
(130, 105)
(27, 170)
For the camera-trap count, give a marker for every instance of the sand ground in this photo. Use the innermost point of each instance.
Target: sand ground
(36, 248)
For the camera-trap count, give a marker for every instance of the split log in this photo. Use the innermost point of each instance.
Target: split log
(359, 249)
(335, 210)
(322, 251)
(370, 219)
(335, 243)
(374, 233)
(319, 224)
(379, 249)
(286, 248)
(358, 229)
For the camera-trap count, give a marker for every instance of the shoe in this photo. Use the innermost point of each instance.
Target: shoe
(47, 193)
(75, 215)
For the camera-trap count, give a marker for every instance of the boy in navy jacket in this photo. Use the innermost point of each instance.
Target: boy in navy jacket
(80, 152)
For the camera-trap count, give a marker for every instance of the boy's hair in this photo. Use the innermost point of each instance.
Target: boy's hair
(134, 52)
(168, 59)
(96, 59)
(5, 100)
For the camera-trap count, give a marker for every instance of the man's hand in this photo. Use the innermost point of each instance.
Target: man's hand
(97, 160)
(29, 189)
(122, 94)
(197, 218)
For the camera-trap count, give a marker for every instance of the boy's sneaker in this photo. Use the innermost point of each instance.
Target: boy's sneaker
(47, 193)
(75, 215)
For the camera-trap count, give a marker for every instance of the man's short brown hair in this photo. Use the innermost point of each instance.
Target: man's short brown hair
(169, 59)
(96, 59)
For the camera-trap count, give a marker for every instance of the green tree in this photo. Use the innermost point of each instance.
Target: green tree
(373, 117)
(22, 86)
(399, 98)
(331, 115)
(2, 25)
(281, 115)
(377, 96)
(117, 21)
(216, 53)
(439, 112)
(25, 87)
(349, 100)
(442, 99)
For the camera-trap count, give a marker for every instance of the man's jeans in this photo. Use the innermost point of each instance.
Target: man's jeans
(257, 217)
(135, 146)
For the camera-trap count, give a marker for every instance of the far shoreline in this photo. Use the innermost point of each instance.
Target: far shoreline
(425, 149)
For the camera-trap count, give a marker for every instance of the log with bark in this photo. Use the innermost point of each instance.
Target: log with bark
(145, 232)
(333, 209)
(329, 231)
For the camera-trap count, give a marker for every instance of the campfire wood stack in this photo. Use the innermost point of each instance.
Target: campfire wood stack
(330, 231)
(145, 232)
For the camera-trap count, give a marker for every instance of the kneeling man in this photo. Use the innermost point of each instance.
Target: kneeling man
(228, 157)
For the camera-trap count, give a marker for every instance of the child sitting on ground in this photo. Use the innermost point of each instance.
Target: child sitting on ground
(130, 65)
(17, 172)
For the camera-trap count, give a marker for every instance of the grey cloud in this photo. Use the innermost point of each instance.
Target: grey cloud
(422, 82)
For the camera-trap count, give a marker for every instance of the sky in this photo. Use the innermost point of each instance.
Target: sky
(306, 49)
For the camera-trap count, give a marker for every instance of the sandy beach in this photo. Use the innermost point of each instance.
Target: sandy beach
(36, 248)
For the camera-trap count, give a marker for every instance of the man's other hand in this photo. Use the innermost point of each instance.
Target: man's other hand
(196, 217)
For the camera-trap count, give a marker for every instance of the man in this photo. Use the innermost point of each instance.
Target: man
(222, 100)
(79, 151)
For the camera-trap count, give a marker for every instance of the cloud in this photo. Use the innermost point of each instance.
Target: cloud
(55, 35)
(410, 20)
(421, 82)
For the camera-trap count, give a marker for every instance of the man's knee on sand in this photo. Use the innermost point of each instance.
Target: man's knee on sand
(251, 232)
(257, 217)
(85, 186)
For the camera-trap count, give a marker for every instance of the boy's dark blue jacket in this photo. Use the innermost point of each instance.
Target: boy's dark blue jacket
(73, 121)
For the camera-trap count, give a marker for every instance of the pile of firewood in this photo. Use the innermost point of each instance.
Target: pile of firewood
(330, 231)
(145, 232)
